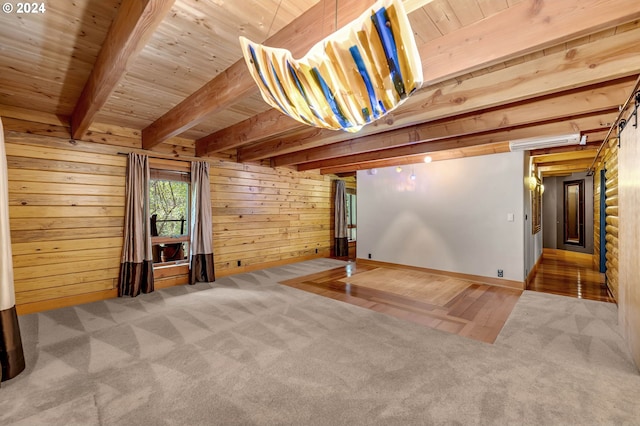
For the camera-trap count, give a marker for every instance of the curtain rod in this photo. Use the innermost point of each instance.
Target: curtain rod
(167, 157)
(623, 109)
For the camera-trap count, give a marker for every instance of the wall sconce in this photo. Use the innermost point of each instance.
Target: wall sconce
(427, 159)
(354, 76)
(398, 169)
(534, 183)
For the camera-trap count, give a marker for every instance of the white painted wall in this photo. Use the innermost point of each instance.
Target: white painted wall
(452, 217)
(533, 245)
(550, 220)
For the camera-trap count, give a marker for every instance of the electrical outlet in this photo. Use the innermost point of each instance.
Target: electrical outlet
(369, 255)
(500, 273)
(316, 251)
(239, 263)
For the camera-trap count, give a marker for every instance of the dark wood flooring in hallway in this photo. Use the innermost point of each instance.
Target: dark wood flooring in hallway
(569, 274)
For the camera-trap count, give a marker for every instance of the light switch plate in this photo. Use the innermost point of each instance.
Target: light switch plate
(510, 217)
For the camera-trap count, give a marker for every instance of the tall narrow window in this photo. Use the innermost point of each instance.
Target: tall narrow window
(351, 214)
(169, 208)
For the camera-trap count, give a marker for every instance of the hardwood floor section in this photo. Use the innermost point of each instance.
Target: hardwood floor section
(473, 310)
(570, 274)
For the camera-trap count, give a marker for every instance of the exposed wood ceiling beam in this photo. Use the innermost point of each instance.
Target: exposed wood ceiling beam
(574, 125)
(556, 173)
(494, 39)
(470, 151)
(596, 136)
(273, 121)
(131, 29)
(568, 168)
(563, 156)
(590, 146)
(575, 102)
(592, 63)
(586, 162)
(530, 26)
(236, 82)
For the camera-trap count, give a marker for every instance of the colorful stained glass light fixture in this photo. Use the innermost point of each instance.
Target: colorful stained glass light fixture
(353, 77)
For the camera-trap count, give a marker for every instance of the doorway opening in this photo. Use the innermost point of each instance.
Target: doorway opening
(574, 212)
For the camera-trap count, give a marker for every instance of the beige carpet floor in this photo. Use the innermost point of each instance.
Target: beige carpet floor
(248, 351)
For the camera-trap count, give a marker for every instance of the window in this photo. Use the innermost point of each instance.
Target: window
(351, 214)
(169, 205)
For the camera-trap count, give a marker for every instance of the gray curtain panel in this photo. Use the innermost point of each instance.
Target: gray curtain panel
(136, 267)
(341, 247)
(201, 268)
(11, 354)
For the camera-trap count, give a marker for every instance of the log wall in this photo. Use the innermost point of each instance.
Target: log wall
(596, 218)
(67, 213)
(610, 164)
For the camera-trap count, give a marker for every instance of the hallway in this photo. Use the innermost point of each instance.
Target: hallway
(569, 274)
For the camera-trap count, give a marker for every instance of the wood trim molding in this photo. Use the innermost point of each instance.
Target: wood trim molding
(166, 279)
(47, 305)
(271, 264)
(533, 271)
(171, 281)
(519, 285)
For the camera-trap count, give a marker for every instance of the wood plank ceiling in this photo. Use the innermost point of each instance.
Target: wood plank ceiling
(495, 70)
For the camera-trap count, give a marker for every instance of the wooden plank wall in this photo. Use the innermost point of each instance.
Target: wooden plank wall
(66, 210)
(264, 216)
(610, 164)
(67, 213)
(629, 176)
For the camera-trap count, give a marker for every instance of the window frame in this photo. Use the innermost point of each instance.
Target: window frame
(179, 171)
(352, 200)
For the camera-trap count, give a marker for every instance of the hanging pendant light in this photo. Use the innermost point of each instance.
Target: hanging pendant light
(355, 76)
